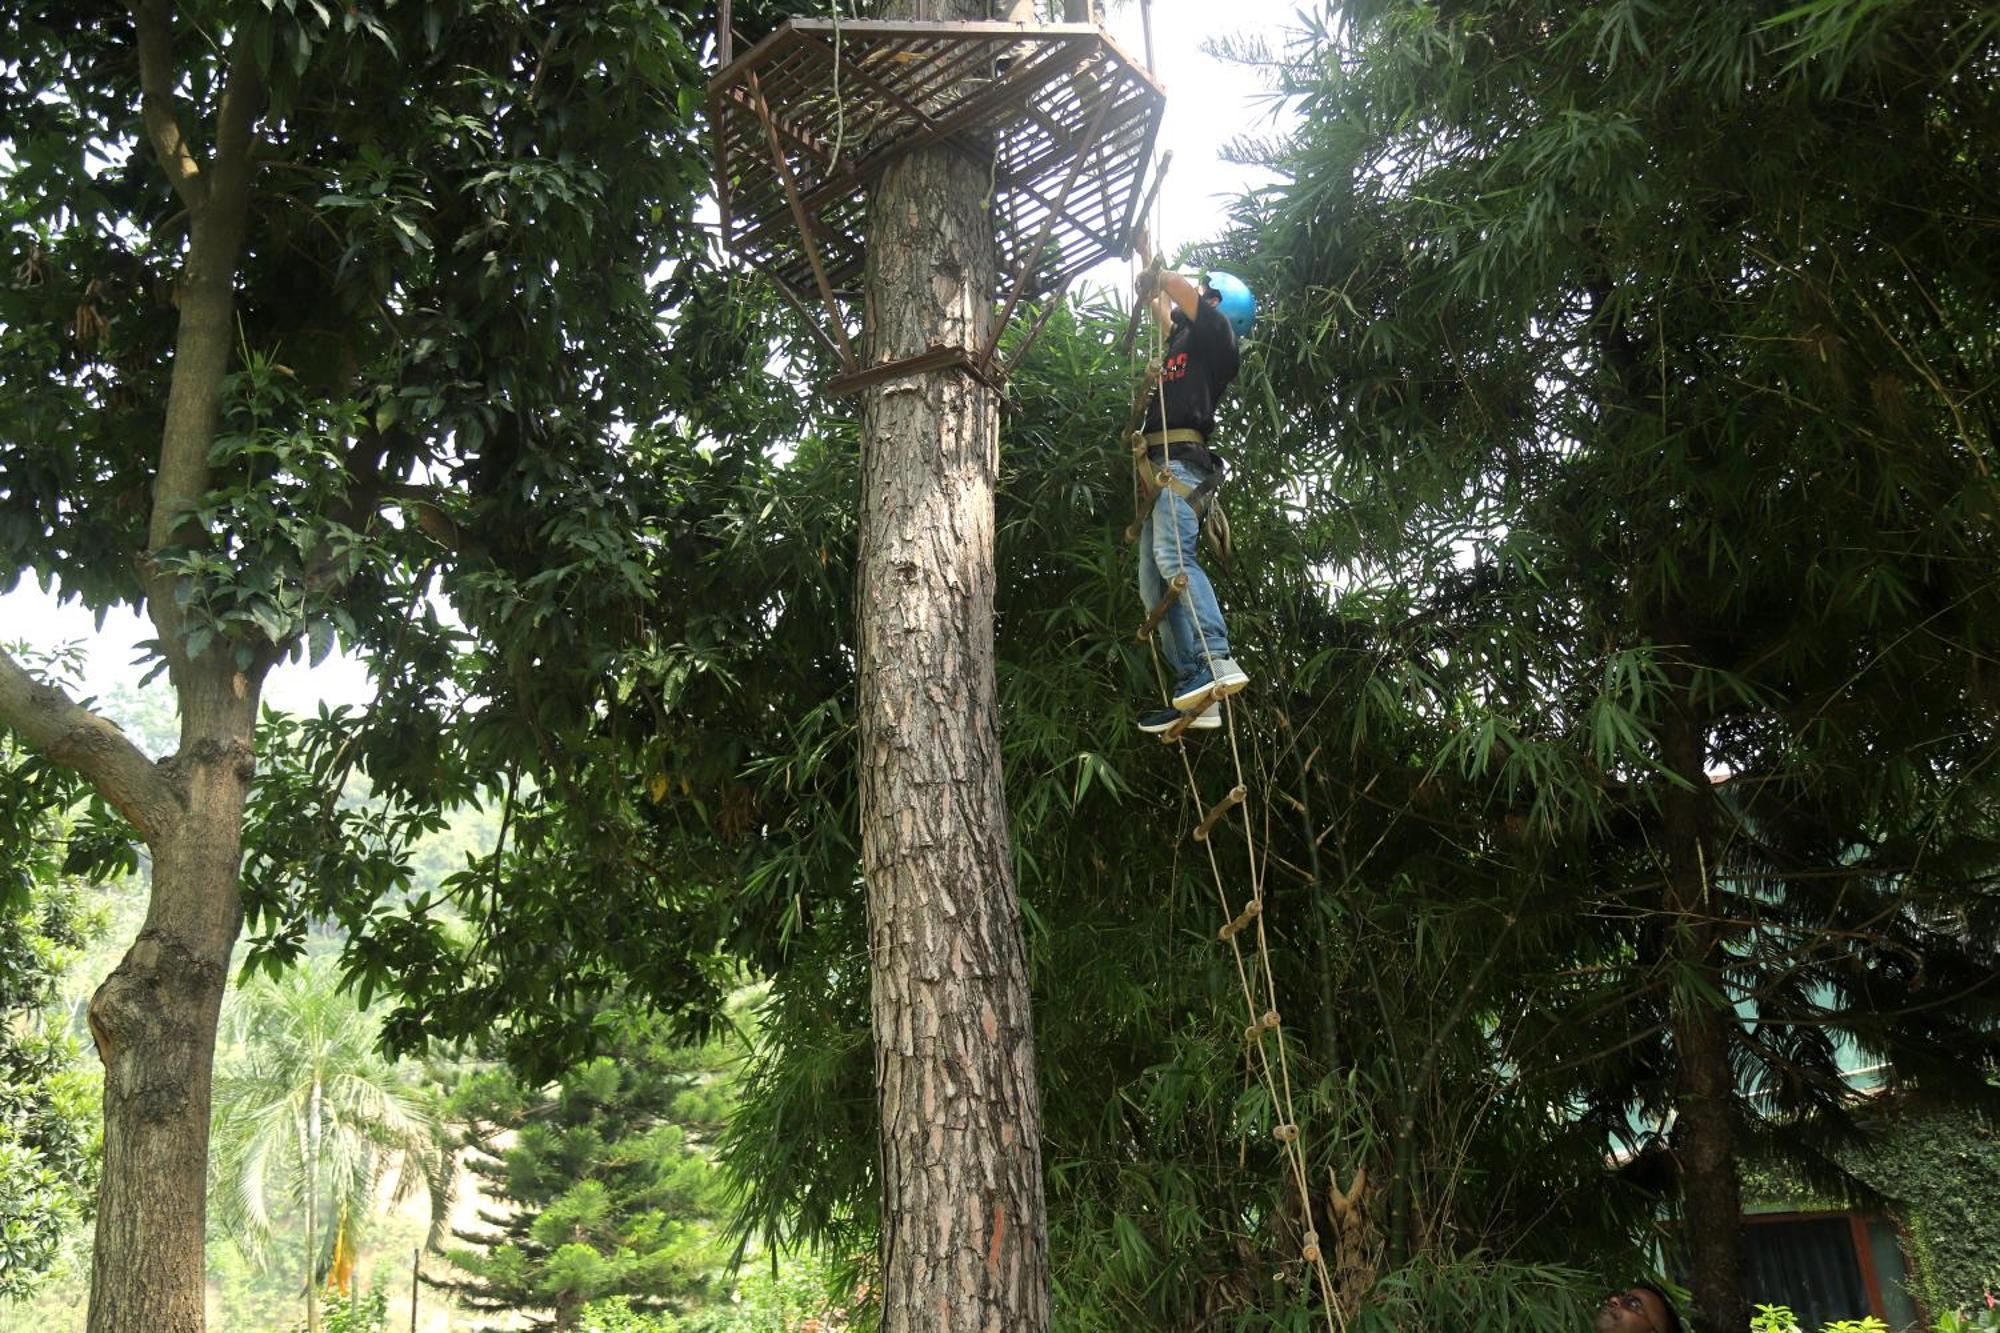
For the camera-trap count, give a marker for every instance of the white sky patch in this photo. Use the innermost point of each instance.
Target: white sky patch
(115, 657)
(1209, 103)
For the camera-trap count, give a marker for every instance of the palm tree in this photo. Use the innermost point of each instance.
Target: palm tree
(309, 1112)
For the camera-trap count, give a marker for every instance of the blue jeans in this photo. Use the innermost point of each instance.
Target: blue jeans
(1167, 548)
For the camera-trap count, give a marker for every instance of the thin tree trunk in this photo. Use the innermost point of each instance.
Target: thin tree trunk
(1704, 1136)
(964, 1234)
(312, 1208)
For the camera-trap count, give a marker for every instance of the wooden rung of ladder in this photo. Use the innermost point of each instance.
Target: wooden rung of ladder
(1250, 912)
(1237, 795)
(1179, 729)
(1166, 604)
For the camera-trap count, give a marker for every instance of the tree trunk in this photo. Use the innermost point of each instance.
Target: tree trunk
(154, 1020)
(312, 1208)
(964, 1238)
(154, 1017)
(1704, 1136)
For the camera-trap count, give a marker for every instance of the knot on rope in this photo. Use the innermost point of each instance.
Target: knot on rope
(1270, 1019)
(1310, 1248)
(1286, 1133)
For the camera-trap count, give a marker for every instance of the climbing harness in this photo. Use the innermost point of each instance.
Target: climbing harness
(1244, 917)
(1203, 499)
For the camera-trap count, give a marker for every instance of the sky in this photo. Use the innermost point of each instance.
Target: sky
(1209, 103)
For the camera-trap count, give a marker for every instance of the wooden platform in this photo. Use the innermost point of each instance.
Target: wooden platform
(1065, 118)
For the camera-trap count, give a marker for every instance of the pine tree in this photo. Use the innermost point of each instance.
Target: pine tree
(600, 1184)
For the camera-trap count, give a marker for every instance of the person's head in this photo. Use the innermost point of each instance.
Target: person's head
(1639, 1308)
(1231, 295)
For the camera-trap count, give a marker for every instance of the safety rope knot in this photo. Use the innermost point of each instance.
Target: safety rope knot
(1286, 1133)
(1270, 1019)
(1310, 1248)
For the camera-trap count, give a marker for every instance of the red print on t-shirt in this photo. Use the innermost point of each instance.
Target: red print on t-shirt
(1176, 366)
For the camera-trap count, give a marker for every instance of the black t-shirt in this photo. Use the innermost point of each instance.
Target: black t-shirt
(1198, 368)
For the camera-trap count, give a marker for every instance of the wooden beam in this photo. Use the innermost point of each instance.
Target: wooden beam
(805, 224)
(1160, 608)
(936, 357)
(1026, 267)
(1237, 795)
(1251, 911)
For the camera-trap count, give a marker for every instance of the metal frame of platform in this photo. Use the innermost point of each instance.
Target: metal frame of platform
(1067, 121)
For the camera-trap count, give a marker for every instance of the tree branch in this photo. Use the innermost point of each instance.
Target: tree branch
(421, 504)
(159, 107)
(69, 734)
(236, 128)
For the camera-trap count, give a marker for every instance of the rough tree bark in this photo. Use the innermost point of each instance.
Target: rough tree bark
(154, 1018)
(1704, 1135)
(964, 1235)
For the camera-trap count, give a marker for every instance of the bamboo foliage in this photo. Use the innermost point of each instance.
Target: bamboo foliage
(1647, 341)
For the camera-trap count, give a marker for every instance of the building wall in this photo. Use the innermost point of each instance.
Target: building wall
(1938, 1177)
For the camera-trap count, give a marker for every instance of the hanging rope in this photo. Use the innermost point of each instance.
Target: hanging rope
(1264, 1033)
(839, 102)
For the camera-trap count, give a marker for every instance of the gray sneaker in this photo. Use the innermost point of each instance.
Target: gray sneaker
(1226, 679)
(1229, 678)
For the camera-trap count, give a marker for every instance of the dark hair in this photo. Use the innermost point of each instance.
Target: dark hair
(1666, 1303)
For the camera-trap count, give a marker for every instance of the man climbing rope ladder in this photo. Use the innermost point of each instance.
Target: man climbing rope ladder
(1178, 475)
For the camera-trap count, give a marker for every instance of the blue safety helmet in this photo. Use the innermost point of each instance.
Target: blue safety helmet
(1238, 306)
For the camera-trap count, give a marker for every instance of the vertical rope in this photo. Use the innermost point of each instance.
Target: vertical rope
(839, 102)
